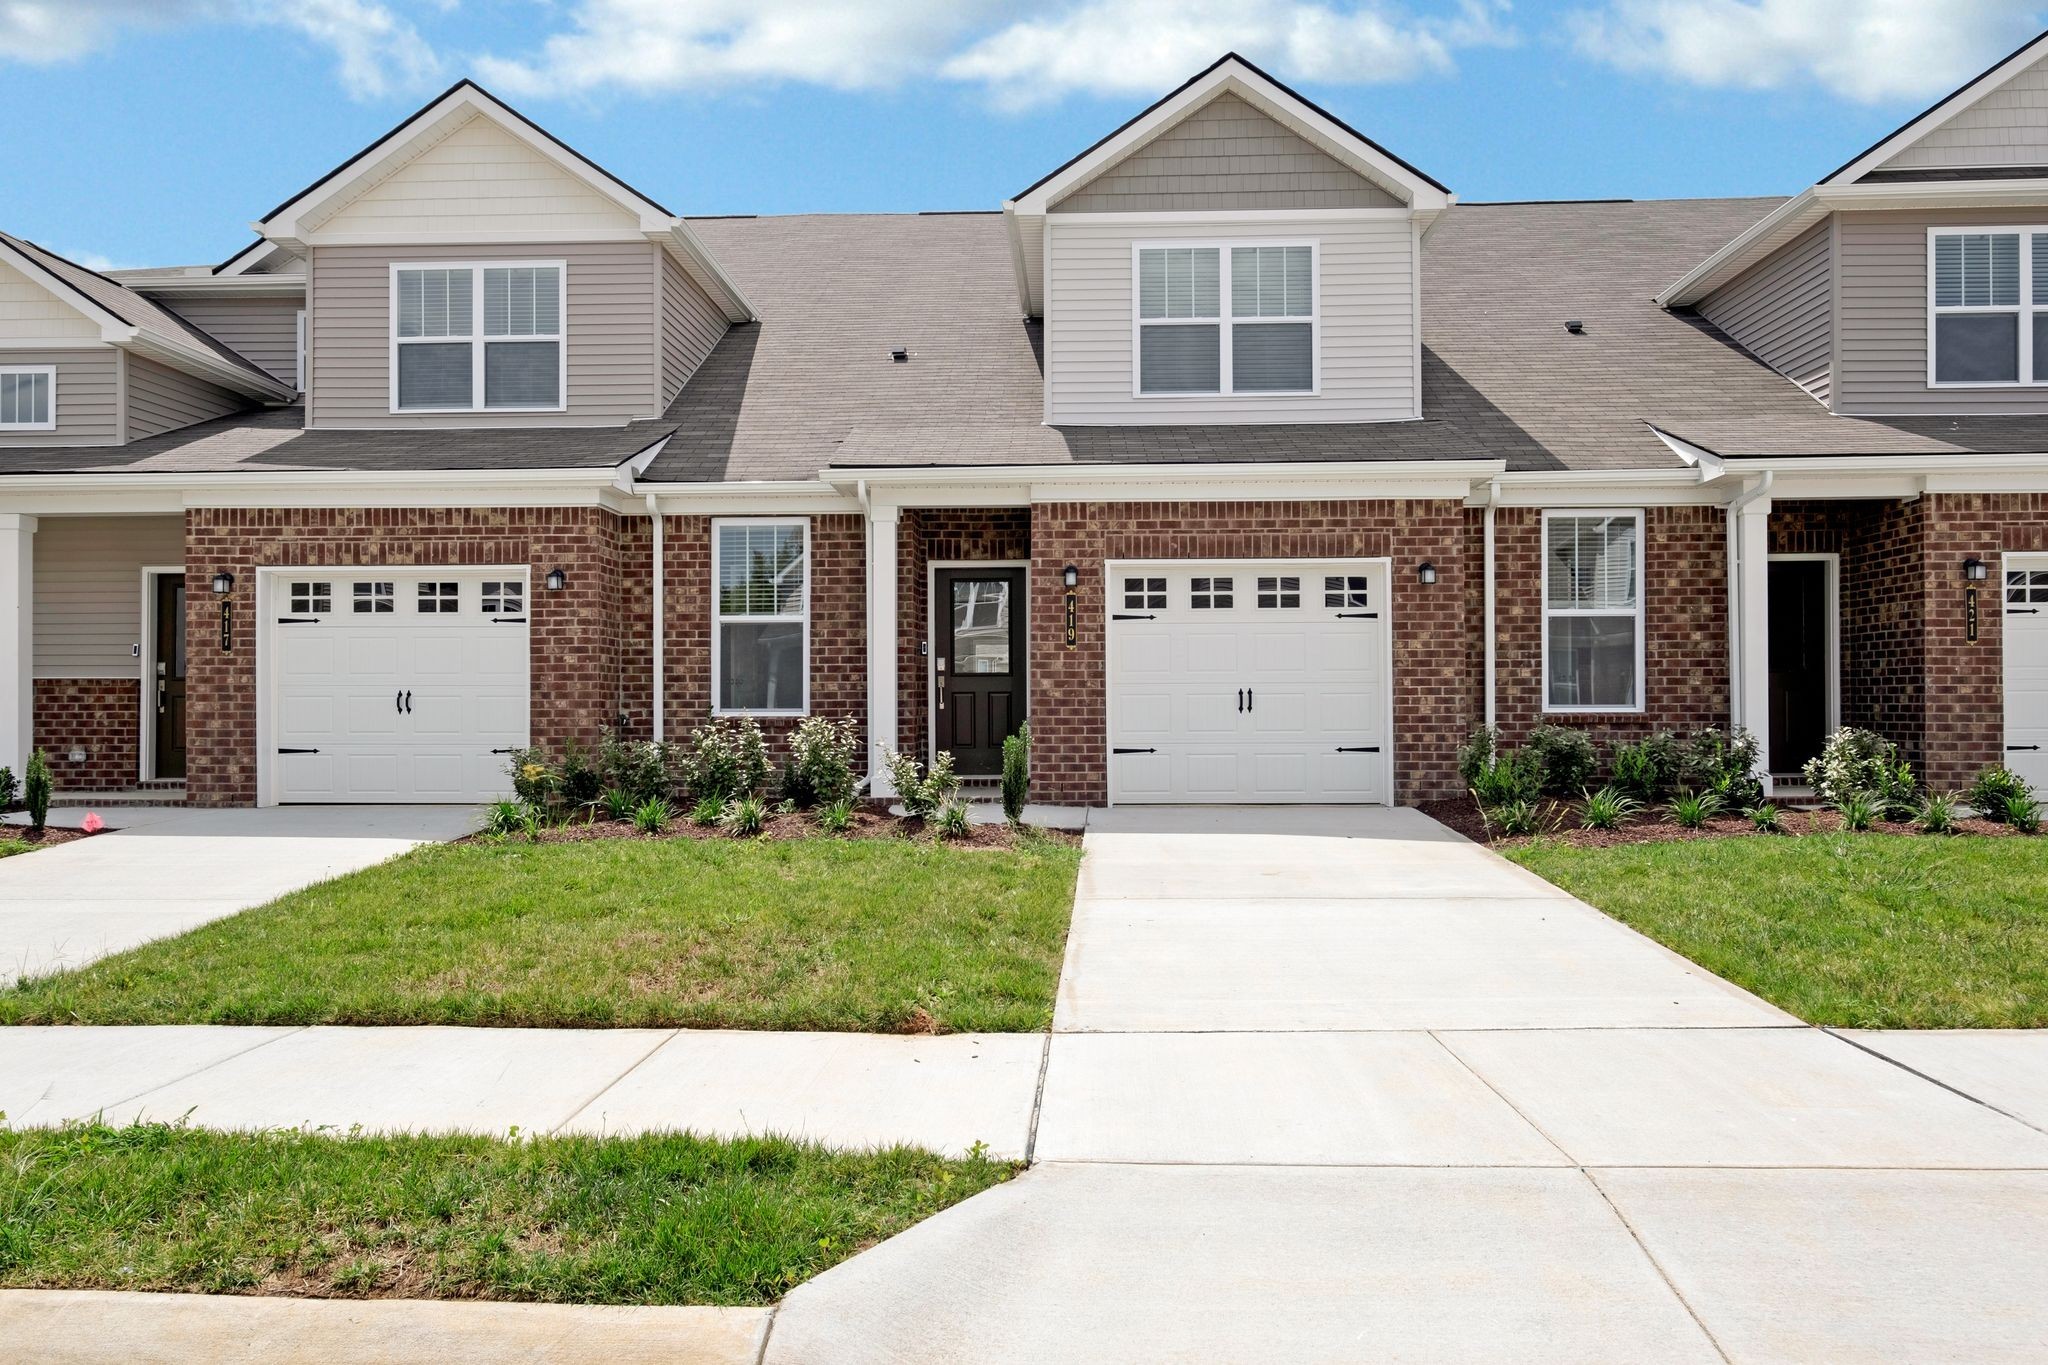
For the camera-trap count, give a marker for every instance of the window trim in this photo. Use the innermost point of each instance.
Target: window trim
(49, 372)
(719, 619)
(2024, 310)
(476, 337)
(1224, 322)
(1641, 701)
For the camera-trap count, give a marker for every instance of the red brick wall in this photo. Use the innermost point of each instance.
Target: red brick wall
(99, 715)
(1432, 711)
(926, 537)
(1685, 561)
(1964, 683)
(576, 675)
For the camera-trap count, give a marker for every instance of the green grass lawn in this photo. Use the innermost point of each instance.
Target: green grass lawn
(870, 935)
(649, 1220)
(1857, 930)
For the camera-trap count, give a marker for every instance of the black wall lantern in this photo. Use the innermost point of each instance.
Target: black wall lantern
(1975, 570)
(1425, 573)
(557, 580)
(1070, 576)
(223, 583)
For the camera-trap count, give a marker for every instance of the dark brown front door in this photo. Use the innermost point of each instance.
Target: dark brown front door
(1799, 662)
(978, 682)
(170, 676)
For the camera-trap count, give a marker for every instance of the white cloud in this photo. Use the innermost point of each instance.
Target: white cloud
(1865, 50)
(1010, 47)
(1119, 47)
(377, 53)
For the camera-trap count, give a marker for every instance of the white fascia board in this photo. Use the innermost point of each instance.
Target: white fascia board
(317, 487)
(283, 284)
(1939, 114)
(1234, 78)
(1932, 463)
(238, 264)
(701, 266)
(790, 497)
(209, 367)
(1017, 485)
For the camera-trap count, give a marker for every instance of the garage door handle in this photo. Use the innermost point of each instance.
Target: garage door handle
(1249, 700)
(1134, 751)
(1358, 616)
(408, 703)
(298, 751)
(1364, 749)
(1121, 616)
(1240, 701)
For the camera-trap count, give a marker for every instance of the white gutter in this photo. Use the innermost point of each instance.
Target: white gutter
(1492, 503)
(1735, 567)
(659, 609)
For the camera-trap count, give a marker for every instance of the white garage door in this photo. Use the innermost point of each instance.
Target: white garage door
(2026, 668)
(397, 686)
(1249, 682)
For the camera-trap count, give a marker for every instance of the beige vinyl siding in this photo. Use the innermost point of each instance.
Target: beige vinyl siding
(614, 298)
(264, 331)
(88, 398)
(163, 399)
(29, 312)
(691, 325)
(88, 590)
(1226, 156)
(2008, 127)
(1881, 368)
(478, 180)
(1782, 311)
(1367, 307)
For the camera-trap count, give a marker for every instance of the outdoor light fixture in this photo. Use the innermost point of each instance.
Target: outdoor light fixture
(223, 583)
(1425, 573)
(557, 580)
(1975, 570)
(1071, 576)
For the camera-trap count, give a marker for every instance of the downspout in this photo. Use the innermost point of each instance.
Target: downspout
(867, 531)
(1492, 501)
(660, 637)
(1736, 568)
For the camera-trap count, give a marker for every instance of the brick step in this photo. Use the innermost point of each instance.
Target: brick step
(152, 794)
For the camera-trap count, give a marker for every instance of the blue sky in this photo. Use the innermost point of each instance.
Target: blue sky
(150, 132)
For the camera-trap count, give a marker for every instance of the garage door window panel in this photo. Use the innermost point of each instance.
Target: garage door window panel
(374, 598)
(1592, 611)
(761, 657)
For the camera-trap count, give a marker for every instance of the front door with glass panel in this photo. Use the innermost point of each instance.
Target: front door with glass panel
(169, 660)
(978, 676)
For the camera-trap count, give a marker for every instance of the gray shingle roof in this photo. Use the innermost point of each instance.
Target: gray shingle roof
(811, 385)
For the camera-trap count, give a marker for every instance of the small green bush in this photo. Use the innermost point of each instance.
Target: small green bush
(618, 803)
(1516, 817)
(503, 818)
(1477, 754)
(708, 811)
(1608, 807)
(1766, 817)
(836, 818)
(744, 817)
(36, 790)
(532, 820)
(533, 779)
(1723, 762)
(1016, 774)
(1852, 762)
(726, 758)
(1859, 811)
(1512, 775)
(10, 789)
(821, 765)
(1692, 810)
(1637, 770)
(1937, 813)
(1567, 756)
(924, 793)
(1988, 795)
(652, 815)
(953, 822)
(579, 781)
(2023, 813)
(641, 770)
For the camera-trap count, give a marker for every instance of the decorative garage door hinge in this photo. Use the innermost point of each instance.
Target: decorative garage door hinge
(298, 620)
(1123, 616)
(1134, 751)
(1358, 616)
(298, 751)
(1363, 749)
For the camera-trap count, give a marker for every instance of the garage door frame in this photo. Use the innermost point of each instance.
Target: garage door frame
(2008, 562)
(1112, 567)
(258, 633)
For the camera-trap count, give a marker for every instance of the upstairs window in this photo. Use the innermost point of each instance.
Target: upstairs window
(478, 338)
(28, 398)
(1988, 307)
(1227, 318)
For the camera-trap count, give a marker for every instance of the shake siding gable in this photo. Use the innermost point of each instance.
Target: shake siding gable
(1783, 312)
(30, 312)
(2008, 127)
(1368, 323)
(163, 399)
(614, 297)
(88, 398)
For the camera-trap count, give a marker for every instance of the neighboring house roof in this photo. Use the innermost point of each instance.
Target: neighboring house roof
(812, 386)
(177, 341)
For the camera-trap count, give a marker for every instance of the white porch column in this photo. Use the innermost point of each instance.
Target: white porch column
(882, 631)
(17, 639)
(1751, 673)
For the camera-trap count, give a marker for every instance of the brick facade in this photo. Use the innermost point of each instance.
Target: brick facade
(1432, 702)
(1964, 682)
(99, 715)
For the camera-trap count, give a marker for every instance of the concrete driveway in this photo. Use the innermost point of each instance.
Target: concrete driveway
(1339, 1085)
(164, 870)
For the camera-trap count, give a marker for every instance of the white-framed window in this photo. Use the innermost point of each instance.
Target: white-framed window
(1592, 611)
(760, 617)
(1221, 318)
(1987, 307)
(488, 337)
(28, 397)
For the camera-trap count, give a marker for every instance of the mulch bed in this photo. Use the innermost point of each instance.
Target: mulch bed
(48, 837)
(1560, 821)
(870, 821)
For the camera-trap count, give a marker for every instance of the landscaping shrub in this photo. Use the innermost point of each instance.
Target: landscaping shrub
(1723, 762)
(1511, 775)
(641, 770)
(36, 790)
(1567, 757)
(709, 811)
(1016, 774)
(1853, 762)
(532, 820)
(820, 770)
(726, 759)
(10, 789)
(652, 815)
(2023, 813)
(1859, 811)
(1897, 790)
(503, 818)
(953, 822)
(618, 803)
(578, 780)
(532, 779)
(1477, 754)
(1608, 807)
(924, 793)
(836, 818)
(1994, 786)
(1516, 817)
(1692, 810)
(1767, 818)
(1638, 770)
(1937, 813)
(744, 817)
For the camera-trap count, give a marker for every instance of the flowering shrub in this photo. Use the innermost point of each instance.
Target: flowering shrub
(820, 770)
(726, 759)
(1858, 763)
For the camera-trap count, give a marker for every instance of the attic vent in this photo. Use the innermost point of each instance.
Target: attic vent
(1574, 326)
(900, 355)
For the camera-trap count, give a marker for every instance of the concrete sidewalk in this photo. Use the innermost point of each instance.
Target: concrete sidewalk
(165, 869)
